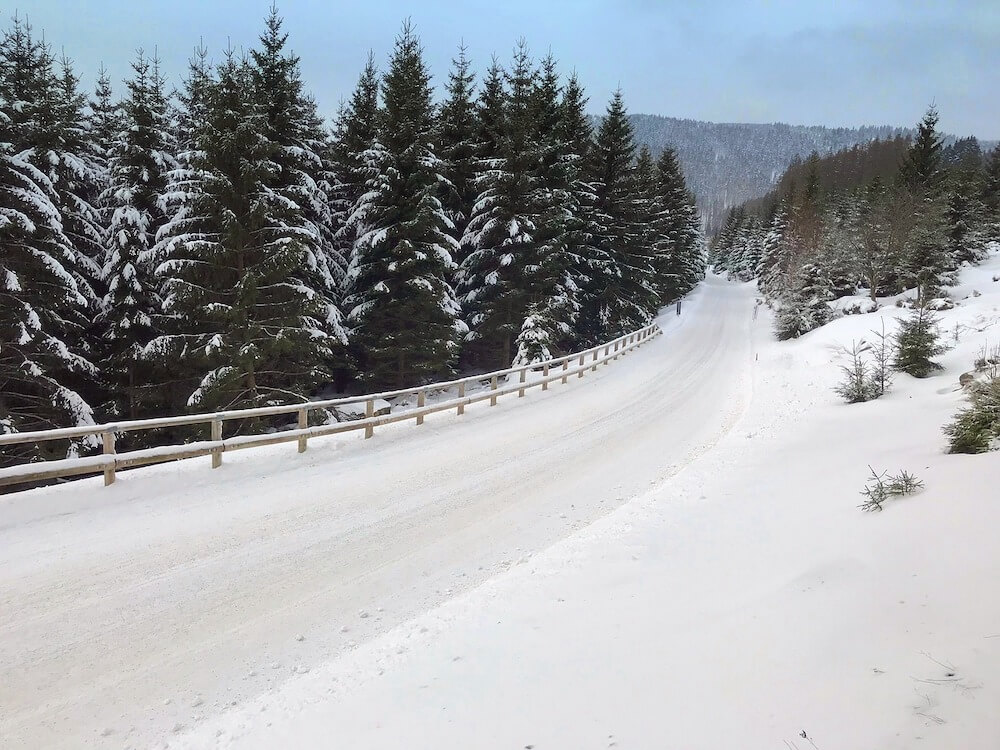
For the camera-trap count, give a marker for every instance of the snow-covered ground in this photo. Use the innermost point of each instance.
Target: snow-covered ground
(132, 610)
(668, 553)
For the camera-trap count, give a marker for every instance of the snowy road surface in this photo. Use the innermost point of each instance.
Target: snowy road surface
(128, 614)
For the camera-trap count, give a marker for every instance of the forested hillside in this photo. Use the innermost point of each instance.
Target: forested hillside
(880, 219)
(727, 164)
(217, 245)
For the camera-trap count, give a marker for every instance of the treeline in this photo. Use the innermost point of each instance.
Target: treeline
(727, 164)
(219, 247)
(891, 216)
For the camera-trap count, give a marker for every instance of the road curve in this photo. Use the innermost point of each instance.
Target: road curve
(132, 612)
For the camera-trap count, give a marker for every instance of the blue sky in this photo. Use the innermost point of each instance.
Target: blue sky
(830, 63)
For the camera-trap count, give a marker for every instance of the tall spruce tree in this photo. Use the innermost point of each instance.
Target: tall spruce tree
(403, 313)
(990, 197)
(585, 259)
(839, 244)
(75, 167)
(883, 231)
(496, 277)
(553, 304)
(775, 255)
(726, 240)
(239, 261)
(670, 240)
(104, 125)
(140, 160)
(355, 141)
(620, 297)
(192, 103)
(456, 139)
(928, 264)
(681, 253)
(42, 305)
(650, 230)
(49, 131)
(292, 124)
(748, 249)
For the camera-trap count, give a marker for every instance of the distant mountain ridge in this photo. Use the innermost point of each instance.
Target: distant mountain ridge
(728, 163)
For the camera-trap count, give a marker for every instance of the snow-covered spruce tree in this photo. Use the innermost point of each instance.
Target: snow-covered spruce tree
(48, 129)
(976, 429)
(191, 104)
(680, 252)
(748, 249)
(883, 227)
(928, 265)
(403, 314)
(238, 262)
(856, 385)
(839, 244)
(41, 304)
(456, 140)
(648, 213)
(304, 168)
(883, 349)
(355, 141)
(553, 304)
(619, 296)
(990, 198)
(775, 255)
(576, 137)
(495, 280)
(806, 219)
(104, 123)
(722, 250)
(917, 341)
(141, 157)
(76, 169)
(73, 162)
(803, 307)
(963, 215)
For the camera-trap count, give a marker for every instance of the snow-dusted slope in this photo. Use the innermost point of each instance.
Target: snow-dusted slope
(130, 613)
(743, 602)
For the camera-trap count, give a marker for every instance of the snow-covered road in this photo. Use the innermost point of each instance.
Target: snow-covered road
(129, 613)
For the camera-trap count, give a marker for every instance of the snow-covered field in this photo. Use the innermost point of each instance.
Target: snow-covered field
(668, 553)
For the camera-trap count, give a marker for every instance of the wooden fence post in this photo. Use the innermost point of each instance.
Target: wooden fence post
(461, 394)
(582, 368)
(545, 376)
(303, 423)
(594, 368)
(565, 368)
(108, 442)
(493, 387)
(421, 402)
(369, 413)
(520, 391)
(216, 437)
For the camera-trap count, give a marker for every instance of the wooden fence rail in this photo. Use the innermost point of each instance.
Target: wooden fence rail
(110, 461)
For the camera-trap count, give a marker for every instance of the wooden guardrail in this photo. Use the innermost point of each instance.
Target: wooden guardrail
(110, 461)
